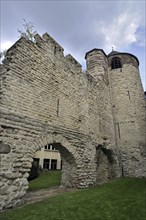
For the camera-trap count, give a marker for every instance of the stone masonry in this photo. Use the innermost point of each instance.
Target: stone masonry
(95, 119)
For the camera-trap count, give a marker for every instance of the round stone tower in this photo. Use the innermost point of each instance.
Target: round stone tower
(128, 111)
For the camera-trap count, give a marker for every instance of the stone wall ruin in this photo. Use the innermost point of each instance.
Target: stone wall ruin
(46, 99)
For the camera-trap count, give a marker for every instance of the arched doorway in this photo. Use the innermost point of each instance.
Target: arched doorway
(67, 151)
(78, 166)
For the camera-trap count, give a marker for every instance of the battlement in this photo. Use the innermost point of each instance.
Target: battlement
(46, 41)
(71, 60)
(56, 46)
(47, 44)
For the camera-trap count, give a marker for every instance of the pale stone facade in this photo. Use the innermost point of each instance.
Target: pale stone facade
(48, 158)
(95, 119)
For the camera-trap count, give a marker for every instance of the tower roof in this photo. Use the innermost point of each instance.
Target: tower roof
(113, 53)
(95, 49)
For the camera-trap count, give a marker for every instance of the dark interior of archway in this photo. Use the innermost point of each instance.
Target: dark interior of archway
(107, 152)
(105, 163)
(64, 152)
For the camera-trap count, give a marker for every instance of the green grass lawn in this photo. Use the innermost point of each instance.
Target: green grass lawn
(123, 199)
(45, 180)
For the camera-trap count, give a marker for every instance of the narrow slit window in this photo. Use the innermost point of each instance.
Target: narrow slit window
(129, 95)
(57, 107)
(116, 63)
(55, 49)
(119, 131)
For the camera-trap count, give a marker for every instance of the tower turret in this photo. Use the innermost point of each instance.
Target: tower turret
(96, 61)
(128, 105)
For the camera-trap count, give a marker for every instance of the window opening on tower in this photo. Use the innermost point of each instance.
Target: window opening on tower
(116, 63)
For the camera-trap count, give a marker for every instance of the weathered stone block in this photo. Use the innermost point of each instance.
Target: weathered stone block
(4, 148)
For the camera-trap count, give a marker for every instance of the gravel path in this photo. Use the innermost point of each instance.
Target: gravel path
(39, 195)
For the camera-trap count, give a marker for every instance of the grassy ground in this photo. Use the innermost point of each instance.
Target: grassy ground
(45, 180)
(123, 199)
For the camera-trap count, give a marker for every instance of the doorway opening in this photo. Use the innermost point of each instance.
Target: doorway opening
(105, 164)
(53, 158)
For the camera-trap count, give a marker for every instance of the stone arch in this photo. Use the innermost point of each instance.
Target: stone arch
(68, 155)
(52, 138)
(79, 169)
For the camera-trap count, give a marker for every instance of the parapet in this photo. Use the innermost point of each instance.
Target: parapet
(57, 48)
(71, 60)
(46, 41)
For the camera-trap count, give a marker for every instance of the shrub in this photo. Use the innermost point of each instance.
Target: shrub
(35, 171)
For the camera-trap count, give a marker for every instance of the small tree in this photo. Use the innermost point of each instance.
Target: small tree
(35, 170)
(28, 32)
(2, 54)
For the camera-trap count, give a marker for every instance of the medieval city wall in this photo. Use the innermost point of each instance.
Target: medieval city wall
(95, 119)
(54, 90)
(46, 99)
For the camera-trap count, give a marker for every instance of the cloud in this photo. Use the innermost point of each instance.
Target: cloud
(122, 31)
(80, 26)
(5, 45)
(141, 40)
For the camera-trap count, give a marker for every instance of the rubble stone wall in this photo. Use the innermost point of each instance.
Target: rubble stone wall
(47, 99)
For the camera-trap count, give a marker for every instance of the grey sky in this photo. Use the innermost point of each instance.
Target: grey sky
(80, 26)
